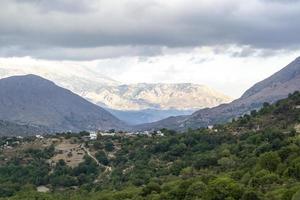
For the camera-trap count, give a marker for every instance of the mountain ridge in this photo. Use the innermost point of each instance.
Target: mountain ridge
(33, 100)
(287, 81)
(161, 96)
(126, 101)
(106, 92)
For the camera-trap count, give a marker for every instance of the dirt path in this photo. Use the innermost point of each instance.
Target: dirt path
(107, 168)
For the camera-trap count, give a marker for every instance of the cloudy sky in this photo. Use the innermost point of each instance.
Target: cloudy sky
(226, 44)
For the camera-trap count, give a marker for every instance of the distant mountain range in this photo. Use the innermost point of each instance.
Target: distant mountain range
(144, 103)
(276, 87)
(181, 96)
(36, 102)
(32, 104)
(135, 117)
(133, 103)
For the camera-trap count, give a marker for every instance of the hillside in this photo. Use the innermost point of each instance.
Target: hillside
(14, 129)
(32, 100)
(276, 87)
(256, 157)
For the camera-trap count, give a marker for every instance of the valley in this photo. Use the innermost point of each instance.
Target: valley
(253, 157)
(55, 141)
(149, 100)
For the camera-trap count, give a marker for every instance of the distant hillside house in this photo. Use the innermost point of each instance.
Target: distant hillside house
(106, 134)
(93, 136)
(39, 136)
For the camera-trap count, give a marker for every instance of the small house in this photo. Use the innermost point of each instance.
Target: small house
(93, 136)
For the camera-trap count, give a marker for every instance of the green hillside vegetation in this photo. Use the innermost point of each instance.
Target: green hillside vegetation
(254, 157)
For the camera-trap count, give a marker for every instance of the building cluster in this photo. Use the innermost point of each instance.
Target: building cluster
(94, 134)
(39, 137)
(212, 128)
(9, 143)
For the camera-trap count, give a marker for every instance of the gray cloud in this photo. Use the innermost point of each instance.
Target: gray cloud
(282, 1)
(91, 29)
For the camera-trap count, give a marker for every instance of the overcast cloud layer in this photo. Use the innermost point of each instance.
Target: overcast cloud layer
(225, 44)
(93, 29)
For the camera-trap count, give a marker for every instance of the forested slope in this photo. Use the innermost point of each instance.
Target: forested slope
(254, 157)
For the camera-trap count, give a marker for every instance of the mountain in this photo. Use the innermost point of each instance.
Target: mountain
(33, 100)
(276, 87)
(136, 103)
(135, 117)
(13, 129)
(89, 83)
(182, 96)
(144, 103)
(78, 79)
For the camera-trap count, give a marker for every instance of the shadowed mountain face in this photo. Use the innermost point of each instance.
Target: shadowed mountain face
(276, 87)
(32, 100)
(13, 129)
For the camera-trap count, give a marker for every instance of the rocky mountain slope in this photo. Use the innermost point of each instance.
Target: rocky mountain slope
(13, 129)
(35, 101)
(276, 87)
(182, 96)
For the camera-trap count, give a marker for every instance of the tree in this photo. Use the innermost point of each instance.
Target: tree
(102, 158)
(187, 172)
(205, 160)
(269, 161)
(98, 145)
(264, 177)
(250, 195)
(226, 162)
(64, 180)
(196, 191)
(151, 187)
(294, 169)
(224, 188)
(109, 146)
(296, 196)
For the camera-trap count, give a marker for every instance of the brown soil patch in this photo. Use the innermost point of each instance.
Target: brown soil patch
(71, 153)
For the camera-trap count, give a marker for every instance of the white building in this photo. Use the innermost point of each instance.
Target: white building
(159, 133)
(93, 136)
(39, 136)
(107, 134)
